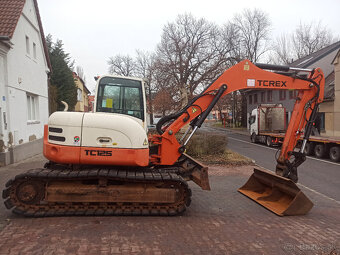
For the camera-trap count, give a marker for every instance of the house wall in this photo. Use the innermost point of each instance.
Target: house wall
(327, 107)
(336, 117)
(3, 98)
(26, 75)
(83, 104)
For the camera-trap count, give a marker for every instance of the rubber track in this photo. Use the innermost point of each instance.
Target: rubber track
(47, 209)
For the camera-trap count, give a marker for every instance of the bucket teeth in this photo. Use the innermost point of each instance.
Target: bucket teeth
(277, 194)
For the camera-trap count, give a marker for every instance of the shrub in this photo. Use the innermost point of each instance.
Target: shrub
(204, 143)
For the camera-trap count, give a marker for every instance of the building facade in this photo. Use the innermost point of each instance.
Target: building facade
(82, 94)
(24, 69)
(333, 117)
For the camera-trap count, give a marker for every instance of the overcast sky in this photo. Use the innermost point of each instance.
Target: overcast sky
(92, 31)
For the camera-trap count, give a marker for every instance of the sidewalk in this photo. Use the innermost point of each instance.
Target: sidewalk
(220, 221)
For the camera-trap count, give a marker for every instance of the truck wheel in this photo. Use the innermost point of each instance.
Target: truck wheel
(269, 141)
(309, 149)
(253, 138)
(334, 153)
(320, 150)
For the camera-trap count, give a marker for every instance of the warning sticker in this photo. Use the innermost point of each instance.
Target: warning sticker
(109, 102)
(246, 67)
(76, 140)
(251, 83)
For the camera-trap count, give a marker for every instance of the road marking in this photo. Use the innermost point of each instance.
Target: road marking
(263, 146)
(323, 195)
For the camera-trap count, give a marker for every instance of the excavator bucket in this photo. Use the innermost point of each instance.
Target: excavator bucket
(278, 194)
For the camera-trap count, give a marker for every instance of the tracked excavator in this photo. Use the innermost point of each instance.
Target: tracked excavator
(103, 163)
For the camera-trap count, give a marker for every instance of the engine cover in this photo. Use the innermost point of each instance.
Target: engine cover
(95, 138)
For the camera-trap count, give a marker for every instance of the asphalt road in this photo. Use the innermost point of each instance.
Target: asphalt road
(318, 175)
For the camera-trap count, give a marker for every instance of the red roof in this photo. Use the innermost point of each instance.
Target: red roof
(10, 12)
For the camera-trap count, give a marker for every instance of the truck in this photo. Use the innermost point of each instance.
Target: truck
(267, 125)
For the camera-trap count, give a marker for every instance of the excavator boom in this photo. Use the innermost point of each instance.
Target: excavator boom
(277, 192)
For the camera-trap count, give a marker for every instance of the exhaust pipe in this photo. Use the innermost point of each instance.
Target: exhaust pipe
(278, 194)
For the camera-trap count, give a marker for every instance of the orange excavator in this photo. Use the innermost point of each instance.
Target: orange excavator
(103, 163)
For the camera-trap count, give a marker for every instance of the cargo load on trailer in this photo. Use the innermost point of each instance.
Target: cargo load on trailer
(267, 125)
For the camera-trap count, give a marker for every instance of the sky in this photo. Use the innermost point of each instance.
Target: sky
(93, 31)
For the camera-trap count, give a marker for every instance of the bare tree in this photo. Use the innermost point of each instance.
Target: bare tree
(305, 40)
(164, 102)
(191, 53)
(253, 28)
(309, 38)
(121, 65)
(80, 73)
(144, 68)
(282, 49)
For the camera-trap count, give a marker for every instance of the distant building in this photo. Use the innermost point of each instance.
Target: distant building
(324, 59)
(82, 94)
(91, 103)
(24, 69)
(332, 116)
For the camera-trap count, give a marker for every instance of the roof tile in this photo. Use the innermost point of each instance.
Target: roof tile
(10, 11)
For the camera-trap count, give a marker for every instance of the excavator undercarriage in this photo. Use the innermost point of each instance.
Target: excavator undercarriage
(64, 190)
(103, 191)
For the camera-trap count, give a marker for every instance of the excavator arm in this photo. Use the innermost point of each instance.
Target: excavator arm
(242, 76)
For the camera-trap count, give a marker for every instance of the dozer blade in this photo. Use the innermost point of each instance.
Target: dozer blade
(278, 194)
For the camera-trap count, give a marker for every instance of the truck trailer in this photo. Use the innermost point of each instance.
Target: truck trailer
(268, 126)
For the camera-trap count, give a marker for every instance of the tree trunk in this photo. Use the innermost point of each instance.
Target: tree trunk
(244, 110)
(184, 96)
(150, 106)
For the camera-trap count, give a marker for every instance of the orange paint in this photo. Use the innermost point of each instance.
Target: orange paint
(94, 155)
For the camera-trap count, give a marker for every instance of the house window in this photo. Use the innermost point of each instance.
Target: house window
(255, 98)
(320, 121)
(293, 94)
(27, 45)
(263, 97)
(269, 96)
(34, 51)
(79, 95)
(282, 94)
(250, 99)
(32, 107)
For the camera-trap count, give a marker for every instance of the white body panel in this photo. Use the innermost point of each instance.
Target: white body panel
(108, 130)
(70, 123)
(113, 130)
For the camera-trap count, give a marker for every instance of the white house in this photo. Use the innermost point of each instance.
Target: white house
(24, 69)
